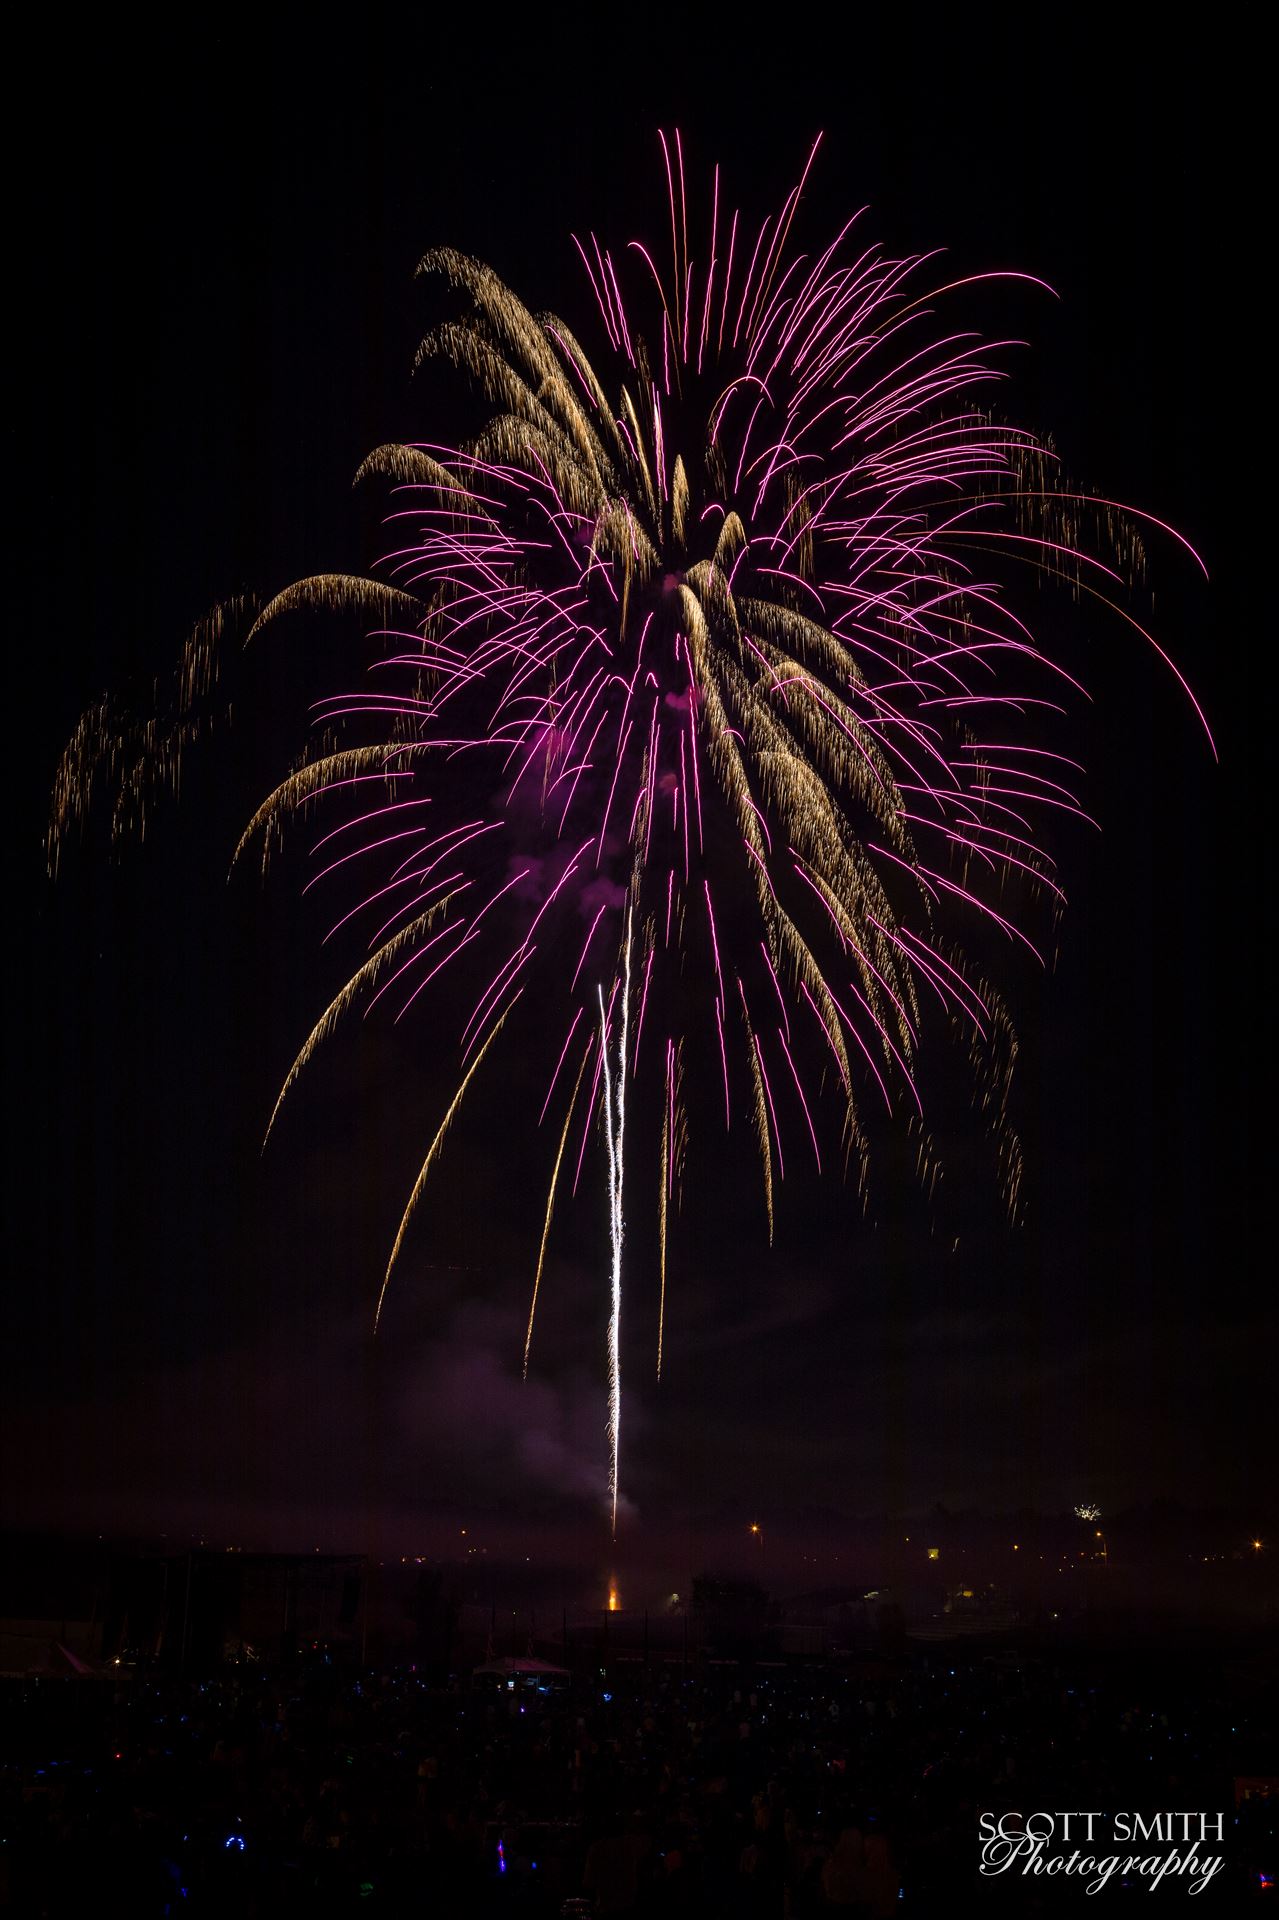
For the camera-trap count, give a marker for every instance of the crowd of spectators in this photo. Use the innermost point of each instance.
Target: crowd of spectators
(634, 1790)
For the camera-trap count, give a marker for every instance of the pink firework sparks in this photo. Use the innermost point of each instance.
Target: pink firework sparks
(713, 612)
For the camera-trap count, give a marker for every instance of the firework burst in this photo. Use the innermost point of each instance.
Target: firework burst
(700, 707)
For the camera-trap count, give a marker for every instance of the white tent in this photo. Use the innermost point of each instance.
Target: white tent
(521, 1673)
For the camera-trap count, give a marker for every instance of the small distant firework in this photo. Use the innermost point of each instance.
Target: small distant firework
(704, 701)
(1088, 1513)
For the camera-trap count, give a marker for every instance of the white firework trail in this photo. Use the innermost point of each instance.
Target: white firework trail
(614, 1131)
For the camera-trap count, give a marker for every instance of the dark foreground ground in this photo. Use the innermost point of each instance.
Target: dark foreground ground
(724, 1790)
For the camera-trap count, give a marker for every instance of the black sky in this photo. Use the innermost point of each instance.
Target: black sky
(215, 233)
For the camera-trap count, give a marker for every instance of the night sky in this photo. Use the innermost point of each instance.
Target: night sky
(216, 236)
